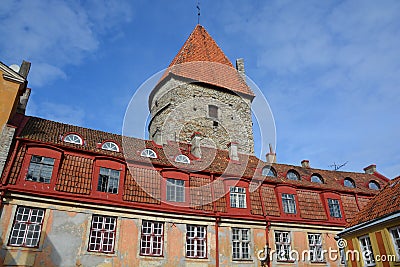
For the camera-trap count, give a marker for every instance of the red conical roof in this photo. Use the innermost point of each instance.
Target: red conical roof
(200, 59)
(200, 46)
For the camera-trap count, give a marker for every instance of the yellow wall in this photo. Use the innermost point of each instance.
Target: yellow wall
(389, 253)
(9, 98)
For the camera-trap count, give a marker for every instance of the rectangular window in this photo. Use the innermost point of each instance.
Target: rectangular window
(151, 240)
(241, 244)
(102, 234)
(334, 208)
(108, 181)
(175, 190)
(366, 251)
(315, 243)
(196, 243)
(27, 227)
(289, 203)
(213, 111)
(282, 246)
(40, 169)
(238, 197)
(396, 240)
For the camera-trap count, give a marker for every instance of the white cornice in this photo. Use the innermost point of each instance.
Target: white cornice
(10, 74)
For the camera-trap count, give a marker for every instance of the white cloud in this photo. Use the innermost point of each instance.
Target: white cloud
(53, 34)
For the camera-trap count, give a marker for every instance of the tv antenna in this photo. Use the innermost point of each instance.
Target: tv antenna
(337, 166)
(198, 12)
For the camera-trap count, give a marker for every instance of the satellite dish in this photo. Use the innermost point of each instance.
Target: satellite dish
(15, 67)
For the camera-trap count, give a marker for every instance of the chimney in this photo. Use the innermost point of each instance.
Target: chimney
(23, 101)
(233, 151)
(240, 66)
(371, 169)
(305, 163)
(195, 142)
(157, 137)
(25, 67)
(271, 155)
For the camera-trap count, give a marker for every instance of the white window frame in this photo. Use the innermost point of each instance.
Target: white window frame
(316, 179)
(102, 234)
(27, 227)
(283, 246)
(108, 181)
(110, 146)
(182, 159)
(366, 246)
(38, 168)
(268, 171)
(241, 244)
(293, 175)
(196, 241)
(152, 238)
(348, 182)
(396, 240)
(374, 183)
(73, 139)
(175, 190)
(334, 208)
(289, 203)
(148, 153)
(315, 245)
(237, 196)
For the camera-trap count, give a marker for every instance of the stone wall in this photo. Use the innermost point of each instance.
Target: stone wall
(6, 138)
(179, 109)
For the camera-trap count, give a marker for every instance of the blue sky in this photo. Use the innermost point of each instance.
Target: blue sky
(329, 69)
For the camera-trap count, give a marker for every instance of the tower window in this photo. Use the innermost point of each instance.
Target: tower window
(213, 111)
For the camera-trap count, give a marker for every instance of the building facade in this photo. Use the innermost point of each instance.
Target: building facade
(373, 235)
(72, 196)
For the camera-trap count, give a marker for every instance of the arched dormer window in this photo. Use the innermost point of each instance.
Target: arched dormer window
(348, 182)
(111, 146)
(374, 185)
(316, 178)
(148, 153)
(268, 171)
(293, 175)
(73, 139)
(182, 159)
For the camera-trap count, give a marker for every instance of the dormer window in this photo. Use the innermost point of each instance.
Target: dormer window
(182, 159)
(348, 182)
(148, 153)
(111, 146)
(315, 178)
(293, 175)
(73, 139)
(374, 185)
(268, 171)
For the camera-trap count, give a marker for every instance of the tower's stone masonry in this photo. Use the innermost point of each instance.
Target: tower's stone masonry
(179, 109)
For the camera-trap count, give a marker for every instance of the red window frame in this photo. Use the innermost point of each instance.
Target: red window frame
(28, 222)
(102, 234)
(107, 163)
(149, 236)
(41, 151)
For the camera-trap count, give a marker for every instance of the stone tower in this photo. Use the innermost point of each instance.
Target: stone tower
(202, 93)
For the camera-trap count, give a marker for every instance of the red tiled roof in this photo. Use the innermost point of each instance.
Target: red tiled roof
(384, 203)
(310, 205)
(248, 166)
(201, 60)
